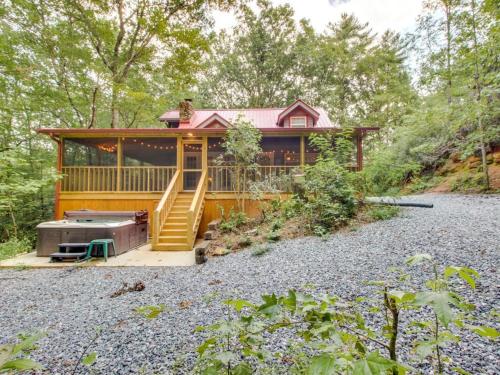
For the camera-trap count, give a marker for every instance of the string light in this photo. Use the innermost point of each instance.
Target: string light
(107, 147)
(198, 148)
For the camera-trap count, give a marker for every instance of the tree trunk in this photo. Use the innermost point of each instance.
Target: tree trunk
(448, 48)
(478, 99)
(114, 108)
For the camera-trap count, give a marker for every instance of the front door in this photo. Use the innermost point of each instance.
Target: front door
(191, 165)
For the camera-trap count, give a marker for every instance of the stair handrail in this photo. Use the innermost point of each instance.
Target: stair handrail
(195, 207)
(164, 205)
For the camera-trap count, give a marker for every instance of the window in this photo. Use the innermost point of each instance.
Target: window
(298, 122)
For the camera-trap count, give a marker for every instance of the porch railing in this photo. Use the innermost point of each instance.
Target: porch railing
(157, 179)
(196, 209)
(105, 179)
(272, 177)
(165, 205)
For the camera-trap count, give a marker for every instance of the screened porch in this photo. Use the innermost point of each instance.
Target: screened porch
(137, 165)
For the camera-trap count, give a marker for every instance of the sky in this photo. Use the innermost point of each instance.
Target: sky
(396, 15)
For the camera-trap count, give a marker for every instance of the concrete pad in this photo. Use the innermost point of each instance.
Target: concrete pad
(140, 257)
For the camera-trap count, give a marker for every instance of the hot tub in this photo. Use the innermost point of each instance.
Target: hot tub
(129, 229)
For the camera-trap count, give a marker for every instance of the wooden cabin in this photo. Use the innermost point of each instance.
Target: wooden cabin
(171, 171)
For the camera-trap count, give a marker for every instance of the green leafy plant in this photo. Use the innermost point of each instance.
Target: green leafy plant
(261, 250)
(150, 311)
(13, 247)
(329, 335)
(13, 356)
(383, 212)
(273, 236)
(233, 221)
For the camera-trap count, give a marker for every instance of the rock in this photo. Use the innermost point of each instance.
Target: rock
(209, 235)
(201, 248)
(252, 232)
(221, 251)
(214, 224)
(200, 259)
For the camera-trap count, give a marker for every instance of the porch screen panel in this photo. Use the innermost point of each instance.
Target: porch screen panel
(220, 173)
(311, 152)
(280, 151)
(148, 163)
(89, 164)
(279, 161)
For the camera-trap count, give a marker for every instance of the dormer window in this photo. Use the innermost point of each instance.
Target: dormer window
(298, 122)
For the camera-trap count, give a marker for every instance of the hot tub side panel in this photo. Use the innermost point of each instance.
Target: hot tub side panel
(126, 237)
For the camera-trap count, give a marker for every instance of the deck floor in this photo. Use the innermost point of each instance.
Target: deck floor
(140, 257)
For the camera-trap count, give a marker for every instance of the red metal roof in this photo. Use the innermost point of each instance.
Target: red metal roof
(262, 118)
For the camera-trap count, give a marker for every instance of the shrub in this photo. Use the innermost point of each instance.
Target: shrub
(244, 241)
(386, 173)
(233, 221)
(261, 250)
(328, 200)
(273, 236)
(383, 212)
(13, 247)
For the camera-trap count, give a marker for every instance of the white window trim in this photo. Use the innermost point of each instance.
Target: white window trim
(298, 117)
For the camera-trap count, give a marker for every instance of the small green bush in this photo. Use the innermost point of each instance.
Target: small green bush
(261, 250)
(13, 247)
(328, 200)
(273, 236)
(244, 241)
(233, 221)
(383, 212)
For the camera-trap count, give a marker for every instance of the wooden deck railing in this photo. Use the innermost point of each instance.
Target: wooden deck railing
(105, 179)
(222, 178)
(196, 208)
(89, 179)
(163, 208)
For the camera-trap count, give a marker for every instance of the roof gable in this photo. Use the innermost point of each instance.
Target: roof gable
(298, 104)
(214, 117)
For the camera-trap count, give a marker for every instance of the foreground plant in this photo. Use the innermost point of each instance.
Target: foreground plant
(13, 356)
(331, 336)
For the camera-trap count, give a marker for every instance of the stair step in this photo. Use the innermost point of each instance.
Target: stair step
(177, 215)
(174, 239)
(172, 247)
(176, 210)
(174, 226)
(172, 232)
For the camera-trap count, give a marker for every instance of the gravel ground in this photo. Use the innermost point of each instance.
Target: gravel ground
(68, 304)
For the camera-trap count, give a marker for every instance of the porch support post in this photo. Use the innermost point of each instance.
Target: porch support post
(179, 154)
(204, 153)
(119, 159)
(302, 152)
(57, 197)
(359, 154)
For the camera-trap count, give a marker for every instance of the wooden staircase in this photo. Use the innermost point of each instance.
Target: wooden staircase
(177, 216)
(174, 232)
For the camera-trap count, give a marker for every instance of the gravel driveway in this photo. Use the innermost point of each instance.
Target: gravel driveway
(70, 303)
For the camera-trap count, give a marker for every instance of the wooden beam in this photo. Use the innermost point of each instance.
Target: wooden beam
(119, 164)
(179, 153)
(60, 147)
(204, 153)
(302, 152)
(359, 154)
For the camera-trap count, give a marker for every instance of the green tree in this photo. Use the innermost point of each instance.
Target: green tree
(242, 146)
(255, 65)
